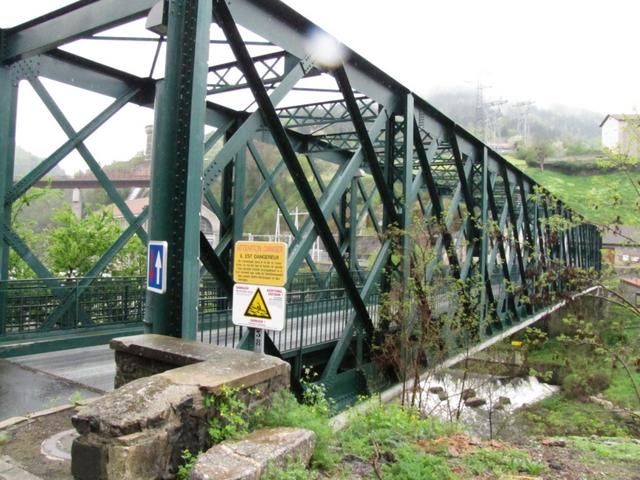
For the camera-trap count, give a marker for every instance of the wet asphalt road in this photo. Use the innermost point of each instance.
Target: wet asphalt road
(36, 382)
(24, 390)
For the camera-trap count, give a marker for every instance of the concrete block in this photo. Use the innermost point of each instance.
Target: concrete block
(248, 458)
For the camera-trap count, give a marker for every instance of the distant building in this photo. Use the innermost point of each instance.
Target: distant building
(621, 247)
(621, 134)
(209, 223)
(630, 289)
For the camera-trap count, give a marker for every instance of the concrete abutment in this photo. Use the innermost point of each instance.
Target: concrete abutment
(158, 409)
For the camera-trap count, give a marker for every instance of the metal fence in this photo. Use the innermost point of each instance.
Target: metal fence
(317, 307)
(45, 305)
(31, 304)
(313, 317)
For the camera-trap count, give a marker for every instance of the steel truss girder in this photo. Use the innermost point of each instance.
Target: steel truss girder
(22, 185)
(325, 113)
(227, 77)
(92, 163)
(271, 20)
(442, 156)
(329, 200)
(69, 23)
(177, 165)
(270, 117)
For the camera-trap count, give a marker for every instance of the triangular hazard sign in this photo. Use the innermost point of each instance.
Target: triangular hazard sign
(258, 307)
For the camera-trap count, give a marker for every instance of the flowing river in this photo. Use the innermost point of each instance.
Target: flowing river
(482, 403)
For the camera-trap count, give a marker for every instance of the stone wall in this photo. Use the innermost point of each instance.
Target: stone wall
(145, 355)
(139, 430)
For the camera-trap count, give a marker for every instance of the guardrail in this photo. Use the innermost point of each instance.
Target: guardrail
(30, 304)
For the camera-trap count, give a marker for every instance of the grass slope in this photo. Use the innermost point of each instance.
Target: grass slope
(601, 198)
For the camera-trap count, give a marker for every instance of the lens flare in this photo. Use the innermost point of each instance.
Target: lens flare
(325, 50)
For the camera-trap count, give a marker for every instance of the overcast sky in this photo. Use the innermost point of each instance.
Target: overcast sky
(576, 53)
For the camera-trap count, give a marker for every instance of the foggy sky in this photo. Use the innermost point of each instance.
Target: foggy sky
(570, 52)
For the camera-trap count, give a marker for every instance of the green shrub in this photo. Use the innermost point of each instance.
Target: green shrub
(188, 462)
(583, 385)
(389, 426)
(499, 461)
(599, 381)
(412, 463)
(230, 414)
(285, 411)
(290, 471)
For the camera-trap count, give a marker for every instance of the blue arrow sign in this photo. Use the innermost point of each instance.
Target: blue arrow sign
(157, 266)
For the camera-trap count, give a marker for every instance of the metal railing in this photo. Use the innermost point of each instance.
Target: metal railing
(313, 317)
(31, 303)
(317, 308)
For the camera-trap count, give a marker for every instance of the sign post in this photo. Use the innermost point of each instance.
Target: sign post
(259, 299)
(258, 340)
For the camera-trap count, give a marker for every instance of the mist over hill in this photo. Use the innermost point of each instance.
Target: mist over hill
(555, 123)
(25, 161)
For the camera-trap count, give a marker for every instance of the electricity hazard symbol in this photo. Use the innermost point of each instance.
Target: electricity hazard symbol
(259, 306)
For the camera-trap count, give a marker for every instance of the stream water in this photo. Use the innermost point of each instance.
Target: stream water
(482, 403)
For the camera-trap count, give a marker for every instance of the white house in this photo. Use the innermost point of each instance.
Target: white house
(621, 134)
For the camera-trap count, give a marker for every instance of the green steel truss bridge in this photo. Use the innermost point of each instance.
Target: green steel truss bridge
(242, 88)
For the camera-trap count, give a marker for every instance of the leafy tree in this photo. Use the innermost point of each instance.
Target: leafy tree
(75, 245)
(26, 230)
(535, 154)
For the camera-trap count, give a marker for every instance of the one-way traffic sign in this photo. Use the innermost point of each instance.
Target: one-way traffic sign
(157, 266)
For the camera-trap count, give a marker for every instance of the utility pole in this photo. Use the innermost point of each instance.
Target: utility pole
(524, 108)
(481, 114)
(493, 113)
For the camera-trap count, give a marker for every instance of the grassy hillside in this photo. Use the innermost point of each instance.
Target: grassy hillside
(601, 198)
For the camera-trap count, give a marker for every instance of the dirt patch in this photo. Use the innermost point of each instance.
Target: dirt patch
(22, 443)
(567, 463)
(458, 444)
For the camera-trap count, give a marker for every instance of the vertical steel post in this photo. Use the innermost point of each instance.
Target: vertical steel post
(239, 175)
(389, 152)
(226, 193)
(176, 183)
(353, 220)
(353, 259)
(484, 241)
(8, 108)
(407, 183)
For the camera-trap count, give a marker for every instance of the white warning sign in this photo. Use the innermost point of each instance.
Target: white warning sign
(259, 306)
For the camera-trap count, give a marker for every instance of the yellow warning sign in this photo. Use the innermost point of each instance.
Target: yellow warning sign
(260, 263)
(258, 307)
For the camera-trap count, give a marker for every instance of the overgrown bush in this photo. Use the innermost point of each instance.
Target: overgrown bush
(285, 411)
(411, 463)
(231, 413)
(188, 462)
(387, 426)
(584, 384)
(558, 416)
(290, 471)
